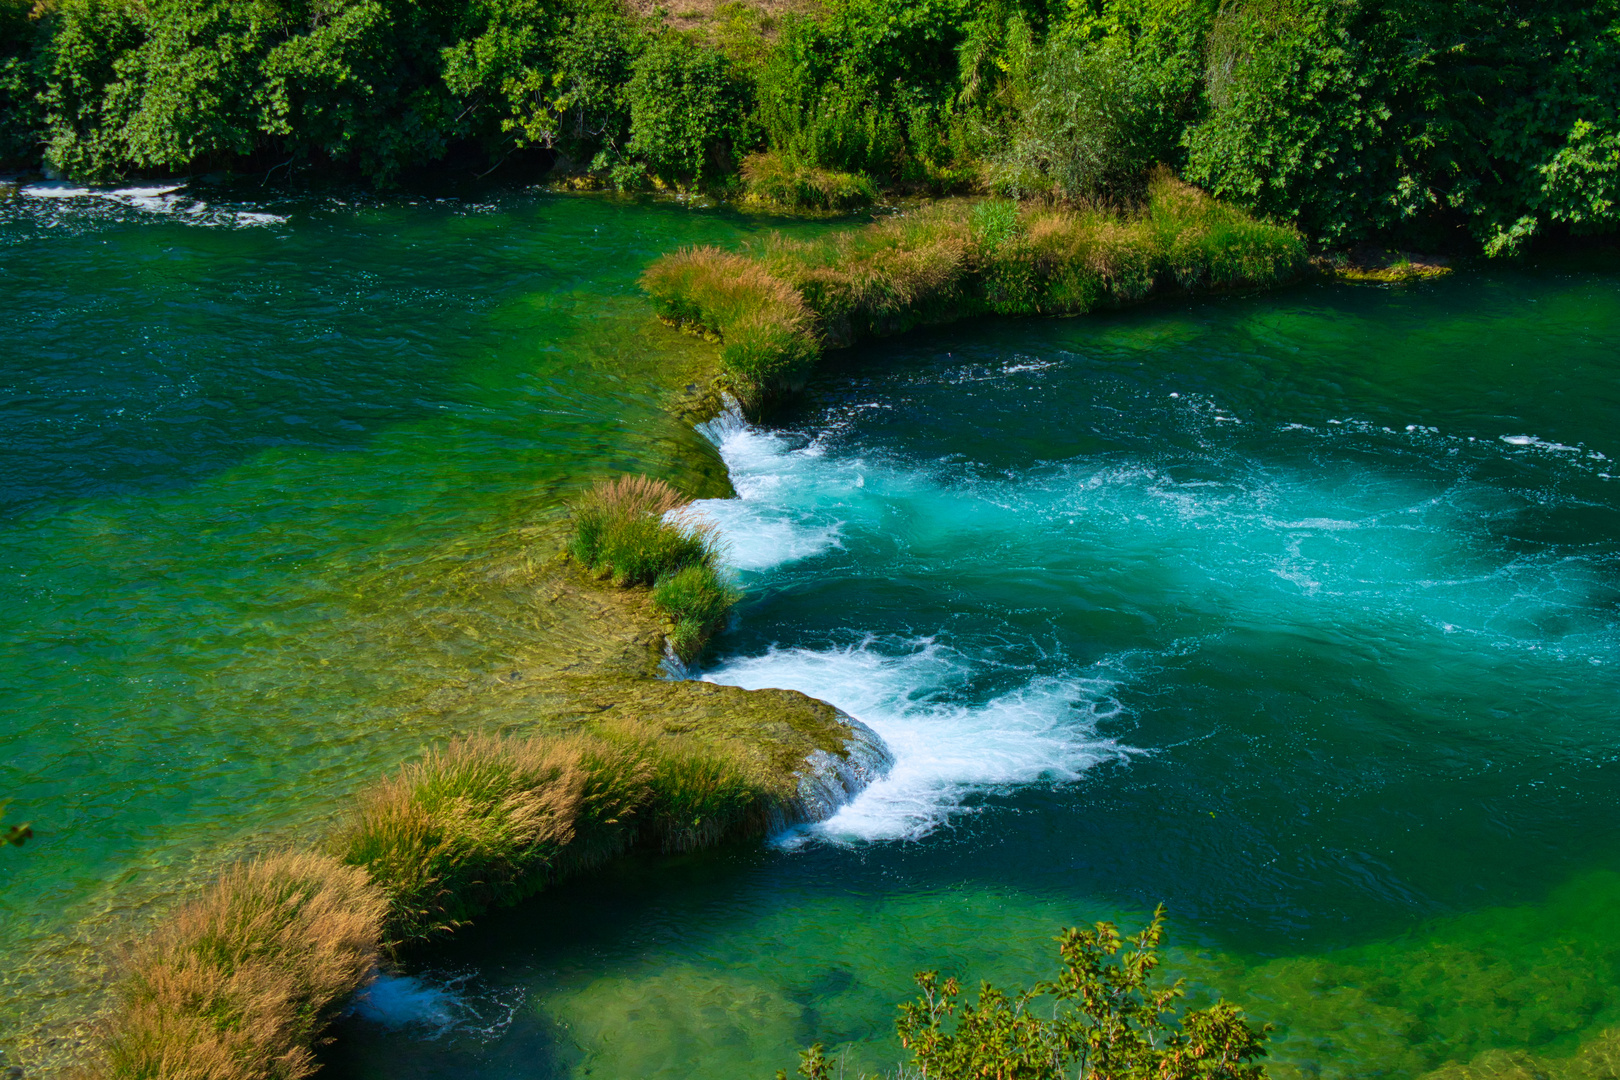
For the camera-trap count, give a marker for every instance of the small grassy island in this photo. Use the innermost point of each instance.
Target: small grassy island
(963, 158)
(774, 310)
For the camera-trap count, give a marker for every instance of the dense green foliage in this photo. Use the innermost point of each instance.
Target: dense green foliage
(1473, 123)
(1104, 1017)
(21, 114)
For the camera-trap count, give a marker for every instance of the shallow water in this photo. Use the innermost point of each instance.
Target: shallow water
(1297, 613)
(269, 475)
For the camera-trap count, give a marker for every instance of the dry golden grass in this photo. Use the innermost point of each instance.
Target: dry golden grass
(237, 985)
(767, 332)
(627, 495)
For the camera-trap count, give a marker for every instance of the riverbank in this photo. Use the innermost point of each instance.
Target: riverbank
(609, 757)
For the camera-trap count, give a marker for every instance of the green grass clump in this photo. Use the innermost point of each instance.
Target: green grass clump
(1209, 244)
(633, 529)
(623, 529)
(238, 983)
(697, 600)
(481, 822)
(775, 309)
(770, 178)
(491, 820)
(765, 330)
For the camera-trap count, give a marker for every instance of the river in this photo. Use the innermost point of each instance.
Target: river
(1299, 613)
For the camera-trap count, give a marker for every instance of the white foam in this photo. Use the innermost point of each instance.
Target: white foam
(167, 199)
(146, 192)
(944, 749)
(55, 189)
(1536, 443)
(397, 1001)
(788, 502)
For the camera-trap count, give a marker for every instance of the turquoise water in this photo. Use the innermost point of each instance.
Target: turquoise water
(1299, 613)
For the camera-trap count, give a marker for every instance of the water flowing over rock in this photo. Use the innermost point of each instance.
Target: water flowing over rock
(831, 780)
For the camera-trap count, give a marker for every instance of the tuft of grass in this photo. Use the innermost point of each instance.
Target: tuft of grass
(698, 794)
(775, 308)
(237, 985)
(1209, 244)
(478, 823)
(772, 179)
(491, 820)
(765, 330)
(697, 600)
(630, 529)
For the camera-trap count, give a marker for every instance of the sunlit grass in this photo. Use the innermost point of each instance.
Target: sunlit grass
(775, 309)
(237, 985)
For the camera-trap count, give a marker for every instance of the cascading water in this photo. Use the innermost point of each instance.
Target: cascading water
(1299, 613)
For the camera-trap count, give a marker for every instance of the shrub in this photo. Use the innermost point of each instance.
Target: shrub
(23, 37)
(866, 87)
(688, 110)
(595, 56)
(622, 528)
(1109, 1021)
(697, 601)
(1085, 131)
(770, 178)
(239, 982)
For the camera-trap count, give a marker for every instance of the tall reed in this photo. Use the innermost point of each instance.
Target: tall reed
(238, 983)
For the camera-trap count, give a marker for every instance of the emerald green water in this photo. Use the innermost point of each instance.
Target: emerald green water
(1299, 613)
(271, 478)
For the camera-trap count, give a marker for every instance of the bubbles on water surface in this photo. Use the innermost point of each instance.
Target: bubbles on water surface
(436, 1005)
(1145, 554)
(943, 749)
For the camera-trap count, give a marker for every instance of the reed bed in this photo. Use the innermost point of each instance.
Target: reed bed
(775, 308)
(240, 982)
